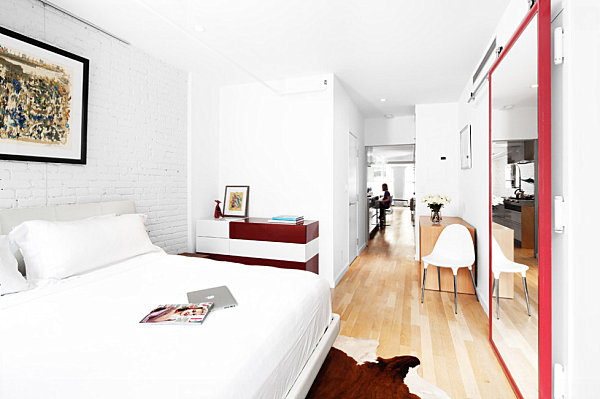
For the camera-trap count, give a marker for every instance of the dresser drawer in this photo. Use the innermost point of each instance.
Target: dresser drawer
(212, 228)
(285, 251)
(212, 245)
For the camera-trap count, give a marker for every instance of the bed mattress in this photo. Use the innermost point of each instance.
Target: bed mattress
(81, 338)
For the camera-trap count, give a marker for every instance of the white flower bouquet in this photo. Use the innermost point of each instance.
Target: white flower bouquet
(435, 203)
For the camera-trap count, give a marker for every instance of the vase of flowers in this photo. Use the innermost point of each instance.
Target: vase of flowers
(435, 203)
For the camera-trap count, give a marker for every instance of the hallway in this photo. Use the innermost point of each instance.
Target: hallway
(379, 298)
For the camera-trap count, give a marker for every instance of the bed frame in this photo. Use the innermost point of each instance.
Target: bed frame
(10, 218)
(315, 361)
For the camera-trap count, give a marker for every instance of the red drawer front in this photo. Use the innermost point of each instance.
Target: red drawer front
(312, 265)
(259, 229)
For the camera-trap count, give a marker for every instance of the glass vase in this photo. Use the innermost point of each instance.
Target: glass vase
(436, 216)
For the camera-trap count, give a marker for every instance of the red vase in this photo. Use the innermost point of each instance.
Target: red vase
(218, 213)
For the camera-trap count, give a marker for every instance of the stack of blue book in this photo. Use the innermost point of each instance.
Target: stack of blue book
(287, 219)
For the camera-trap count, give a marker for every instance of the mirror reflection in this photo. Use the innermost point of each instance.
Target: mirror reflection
(514, 164)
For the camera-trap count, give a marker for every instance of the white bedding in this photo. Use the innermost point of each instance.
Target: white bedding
(80, 337)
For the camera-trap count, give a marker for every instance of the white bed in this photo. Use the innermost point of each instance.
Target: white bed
(80, 337)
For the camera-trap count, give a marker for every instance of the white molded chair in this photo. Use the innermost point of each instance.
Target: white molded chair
(454, 249)
(501, 264)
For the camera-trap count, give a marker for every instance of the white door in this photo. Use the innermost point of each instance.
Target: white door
(352, 198)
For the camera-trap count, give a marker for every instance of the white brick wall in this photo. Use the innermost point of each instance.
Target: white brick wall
(136, 129)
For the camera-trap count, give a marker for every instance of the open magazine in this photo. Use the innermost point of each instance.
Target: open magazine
(179, 313)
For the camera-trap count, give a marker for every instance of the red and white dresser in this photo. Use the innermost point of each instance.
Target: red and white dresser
(256, 241)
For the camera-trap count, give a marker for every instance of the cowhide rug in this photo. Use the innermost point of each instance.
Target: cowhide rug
(352, 370)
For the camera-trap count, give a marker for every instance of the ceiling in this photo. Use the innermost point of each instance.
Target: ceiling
(407, 52)
(391, 154)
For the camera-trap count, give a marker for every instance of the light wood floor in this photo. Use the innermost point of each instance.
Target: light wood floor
(515, 333)
(379, 298)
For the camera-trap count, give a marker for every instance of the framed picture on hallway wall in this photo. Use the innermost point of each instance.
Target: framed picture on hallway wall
(236, 201)
(43, 106)
(465, 148)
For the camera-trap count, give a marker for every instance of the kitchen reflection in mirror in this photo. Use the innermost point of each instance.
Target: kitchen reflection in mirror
(514, 167)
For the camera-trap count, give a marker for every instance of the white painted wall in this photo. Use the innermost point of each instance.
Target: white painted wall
(136, 129)
(203, 152)
(576, 261)
(282, 146)
(474, 207)
(437, 137)
(519, 123)
(393, 131)
(562, 275)
(346, 118)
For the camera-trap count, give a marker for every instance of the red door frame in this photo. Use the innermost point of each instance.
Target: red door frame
(542, 9)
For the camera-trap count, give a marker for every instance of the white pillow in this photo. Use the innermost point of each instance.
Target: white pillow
(10, 278)
(55, 250)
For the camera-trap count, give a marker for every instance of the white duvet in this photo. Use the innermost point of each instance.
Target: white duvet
(81, 338)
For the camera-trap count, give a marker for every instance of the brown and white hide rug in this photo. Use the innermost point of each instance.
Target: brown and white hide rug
(352, 370)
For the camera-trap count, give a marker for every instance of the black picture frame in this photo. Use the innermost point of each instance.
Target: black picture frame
(77, 155)
(466, 160)
(243, 211)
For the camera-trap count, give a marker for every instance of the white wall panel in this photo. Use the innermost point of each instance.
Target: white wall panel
(392, 131)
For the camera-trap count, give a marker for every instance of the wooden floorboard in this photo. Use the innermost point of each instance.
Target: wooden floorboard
(516, 333)
(379, 298)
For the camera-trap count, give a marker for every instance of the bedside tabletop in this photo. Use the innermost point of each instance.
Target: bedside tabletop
(261, 229)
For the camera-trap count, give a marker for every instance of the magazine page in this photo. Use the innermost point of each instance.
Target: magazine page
(178, 313)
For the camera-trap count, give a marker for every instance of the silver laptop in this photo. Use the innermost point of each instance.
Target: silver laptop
(220, 297)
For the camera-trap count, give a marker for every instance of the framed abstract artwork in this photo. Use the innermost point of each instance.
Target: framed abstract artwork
(43, 101)
(236, 201)
(465, 148)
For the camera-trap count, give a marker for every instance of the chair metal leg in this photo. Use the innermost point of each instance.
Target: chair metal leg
(526, 296)
(498, 299)
(493, 287)
(439, 280)
(455, 300)
(423, 287)
(474, 288)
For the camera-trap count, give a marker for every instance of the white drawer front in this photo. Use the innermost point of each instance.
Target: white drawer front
(275, 250)
(212, 228)
(211, 245)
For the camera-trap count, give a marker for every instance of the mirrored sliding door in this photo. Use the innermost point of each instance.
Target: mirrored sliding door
(519, 208)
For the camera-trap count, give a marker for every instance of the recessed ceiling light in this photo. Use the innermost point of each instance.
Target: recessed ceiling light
(388, 116)
(199, 28)
(507, 107)
(382, 100)
(534, 86)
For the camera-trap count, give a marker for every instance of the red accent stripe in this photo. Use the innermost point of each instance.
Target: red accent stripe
(260, 229)
(312, 265)
(545, 198)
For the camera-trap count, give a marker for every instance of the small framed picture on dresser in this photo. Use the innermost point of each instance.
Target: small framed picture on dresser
(236, 201)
